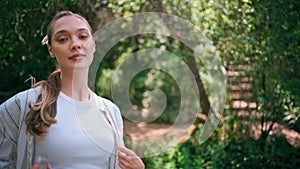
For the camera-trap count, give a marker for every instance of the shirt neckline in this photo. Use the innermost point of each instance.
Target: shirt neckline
(77, 102)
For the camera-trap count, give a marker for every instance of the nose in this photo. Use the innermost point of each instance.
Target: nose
(76, 44)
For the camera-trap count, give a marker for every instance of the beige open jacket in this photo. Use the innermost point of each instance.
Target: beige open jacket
(17, 147)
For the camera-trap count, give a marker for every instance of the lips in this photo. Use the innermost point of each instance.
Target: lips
(76, 57)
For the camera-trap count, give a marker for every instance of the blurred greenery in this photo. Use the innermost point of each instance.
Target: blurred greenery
(218, 152)
(263, 35)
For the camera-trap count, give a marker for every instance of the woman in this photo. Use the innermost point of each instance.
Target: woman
(60, 122)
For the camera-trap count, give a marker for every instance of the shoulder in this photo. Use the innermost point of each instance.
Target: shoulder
(106, 103)
(29, 95)
(14, 109)
(109, 107)
(22, 99)
(109, 103)
(32, 92)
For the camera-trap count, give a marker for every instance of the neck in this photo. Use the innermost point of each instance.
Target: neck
(75, 84)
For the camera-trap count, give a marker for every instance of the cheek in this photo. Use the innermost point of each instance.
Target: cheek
(90, 48)
(60, 51)
(58, 60)
(60, 56)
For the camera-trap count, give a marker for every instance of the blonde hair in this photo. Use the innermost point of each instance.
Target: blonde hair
(42, 113)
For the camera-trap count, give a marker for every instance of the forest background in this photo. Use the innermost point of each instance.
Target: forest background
(257, 42)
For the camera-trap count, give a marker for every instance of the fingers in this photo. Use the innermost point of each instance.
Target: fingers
(126, 151)
(128, 159)
(38, 165)
(48, 166)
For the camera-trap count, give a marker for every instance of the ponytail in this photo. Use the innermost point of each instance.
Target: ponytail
(43, 112)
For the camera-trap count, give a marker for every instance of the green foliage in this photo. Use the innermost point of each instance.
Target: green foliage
(262, 34)
(232, 153)
(21, 50)
(276, 32)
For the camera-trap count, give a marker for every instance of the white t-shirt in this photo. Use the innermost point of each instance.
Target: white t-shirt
(81, 138)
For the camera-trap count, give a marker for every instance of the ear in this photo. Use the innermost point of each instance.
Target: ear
(50, 50)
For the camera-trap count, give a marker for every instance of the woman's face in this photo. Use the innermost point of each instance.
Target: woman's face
(72, 43)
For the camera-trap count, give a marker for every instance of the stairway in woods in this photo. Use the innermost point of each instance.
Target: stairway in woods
(240, 92)
(240, 89)
(244, 106)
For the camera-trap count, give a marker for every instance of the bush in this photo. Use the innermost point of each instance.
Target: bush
(234, 153)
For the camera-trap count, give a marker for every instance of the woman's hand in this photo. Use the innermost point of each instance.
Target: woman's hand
(128, 159)
(38, 165)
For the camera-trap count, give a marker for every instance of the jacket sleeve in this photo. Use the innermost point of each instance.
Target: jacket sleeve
(119, 124)
(9, 126)
(116, 120)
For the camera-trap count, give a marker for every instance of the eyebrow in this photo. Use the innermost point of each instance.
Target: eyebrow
(64, 31)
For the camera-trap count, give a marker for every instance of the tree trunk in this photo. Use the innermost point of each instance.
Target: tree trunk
(204, 102)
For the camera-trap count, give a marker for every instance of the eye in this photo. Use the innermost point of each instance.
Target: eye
(83, 37)
(62, 39)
